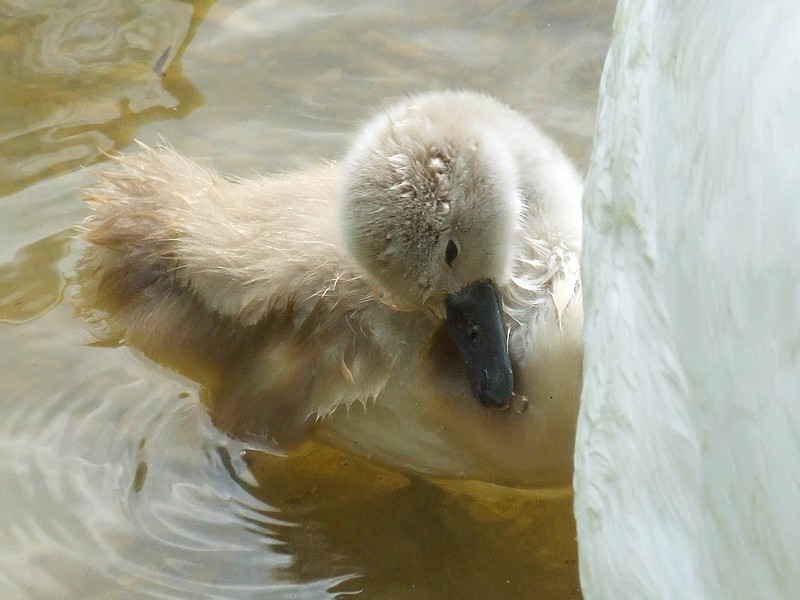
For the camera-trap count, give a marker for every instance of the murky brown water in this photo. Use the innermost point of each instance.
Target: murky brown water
(113, 484)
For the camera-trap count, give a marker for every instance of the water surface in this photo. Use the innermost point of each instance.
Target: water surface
(114, 483)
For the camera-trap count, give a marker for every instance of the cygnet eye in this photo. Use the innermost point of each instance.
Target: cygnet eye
(450, 253)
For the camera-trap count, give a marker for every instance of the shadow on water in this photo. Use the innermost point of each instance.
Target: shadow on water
(400, 536)
(76, 84)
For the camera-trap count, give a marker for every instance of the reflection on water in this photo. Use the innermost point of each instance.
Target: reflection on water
(22, 297)
(126, 54)
(114, 483)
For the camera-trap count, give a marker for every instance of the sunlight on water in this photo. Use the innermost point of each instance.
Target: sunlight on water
(79, 78)
(115, 483)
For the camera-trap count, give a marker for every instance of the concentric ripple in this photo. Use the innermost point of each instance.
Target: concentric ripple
(120, 482)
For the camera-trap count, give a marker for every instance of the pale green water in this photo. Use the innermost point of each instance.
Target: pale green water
(112, 482)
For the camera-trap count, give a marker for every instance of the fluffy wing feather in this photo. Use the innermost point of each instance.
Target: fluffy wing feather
(241, 283)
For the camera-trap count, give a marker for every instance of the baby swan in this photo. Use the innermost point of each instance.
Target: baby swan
(431, 277)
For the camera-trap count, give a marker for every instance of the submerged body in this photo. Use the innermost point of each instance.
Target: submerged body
(296, 297)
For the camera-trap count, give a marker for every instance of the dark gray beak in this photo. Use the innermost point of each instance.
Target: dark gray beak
(476, 326)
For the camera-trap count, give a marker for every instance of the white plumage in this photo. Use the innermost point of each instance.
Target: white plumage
(688, 451)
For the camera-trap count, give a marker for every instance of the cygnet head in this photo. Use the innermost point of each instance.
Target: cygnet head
(430, 205)
(430, 201)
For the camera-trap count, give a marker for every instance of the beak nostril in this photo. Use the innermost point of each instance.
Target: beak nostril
(474, 322)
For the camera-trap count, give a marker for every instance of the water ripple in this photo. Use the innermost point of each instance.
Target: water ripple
(79, 77)
(71, 454)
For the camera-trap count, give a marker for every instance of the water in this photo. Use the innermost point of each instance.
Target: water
(114, 483)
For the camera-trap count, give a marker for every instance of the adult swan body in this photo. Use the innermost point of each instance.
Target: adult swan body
(687, 476)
